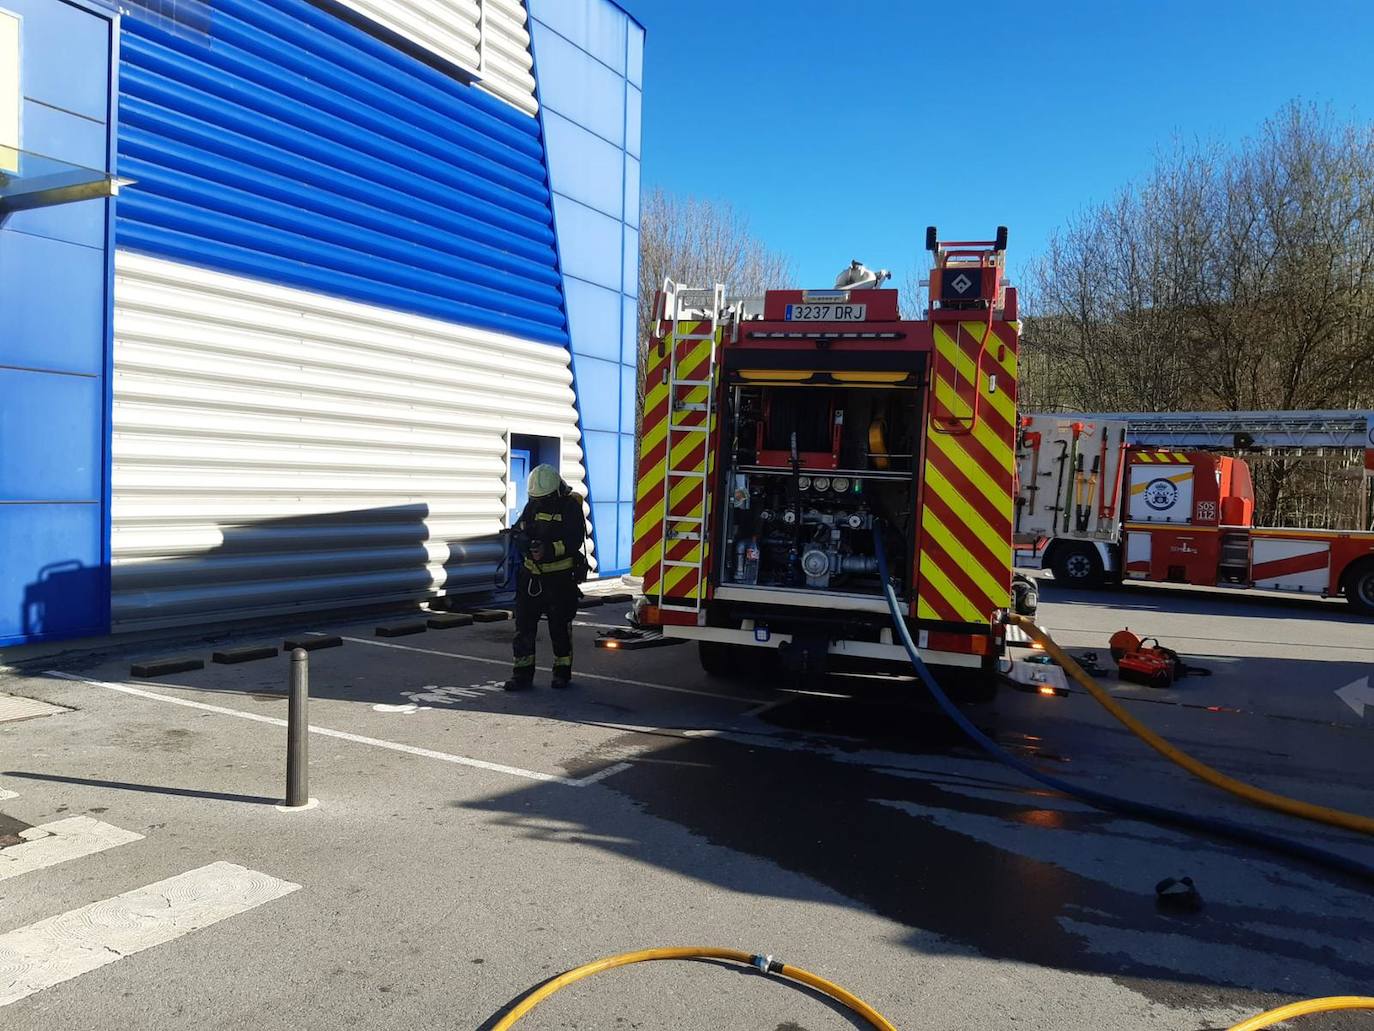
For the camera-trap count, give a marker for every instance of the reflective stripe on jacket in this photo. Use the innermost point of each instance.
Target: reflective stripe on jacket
(562, 537)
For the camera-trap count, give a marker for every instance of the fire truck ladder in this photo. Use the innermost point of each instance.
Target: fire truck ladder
(1289, 432)
(698, 309)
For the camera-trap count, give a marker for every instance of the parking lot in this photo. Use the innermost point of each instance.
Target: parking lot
(469, 843)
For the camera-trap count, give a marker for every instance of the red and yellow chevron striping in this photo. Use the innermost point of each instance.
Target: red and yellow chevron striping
(1162, 457)
(688, 496)
(964, 541)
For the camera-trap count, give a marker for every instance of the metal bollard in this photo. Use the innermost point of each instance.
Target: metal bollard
(298, 731)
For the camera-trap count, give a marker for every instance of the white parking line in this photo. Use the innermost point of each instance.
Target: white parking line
(545, 669)
(395, 746)
(7, 795)
(62, 947)
(51, 843)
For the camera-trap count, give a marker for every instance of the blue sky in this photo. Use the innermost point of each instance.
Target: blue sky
(842, 129)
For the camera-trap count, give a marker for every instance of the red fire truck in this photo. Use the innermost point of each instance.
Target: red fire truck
(1104, 498)
(782, 434)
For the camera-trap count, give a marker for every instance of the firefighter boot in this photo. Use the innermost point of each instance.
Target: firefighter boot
(562, 672)
(521, 674)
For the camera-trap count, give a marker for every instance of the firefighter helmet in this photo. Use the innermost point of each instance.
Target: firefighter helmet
(544, 480)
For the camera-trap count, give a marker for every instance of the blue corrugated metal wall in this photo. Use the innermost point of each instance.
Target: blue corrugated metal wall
(287, 144)
(589, 61)
(54, 281)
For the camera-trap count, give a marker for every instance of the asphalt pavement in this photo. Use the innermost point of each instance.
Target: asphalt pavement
(469, 843)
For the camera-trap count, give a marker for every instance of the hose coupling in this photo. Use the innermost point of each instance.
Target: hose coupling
(766, 964)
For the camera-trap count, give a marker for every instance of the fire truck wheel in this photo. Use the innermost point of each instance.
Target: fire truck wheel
(1077, 565)
(726, 661)
(1359, 587)
(969, 687)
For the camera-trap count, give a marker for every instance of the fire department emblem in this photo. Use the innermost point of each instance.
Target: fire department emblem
(1161, 494)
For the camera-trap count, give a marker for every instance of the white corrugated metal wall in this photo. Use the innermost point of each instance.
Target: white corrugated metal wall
(277, 449)
(488, 38)
(337, 296)
(508, 68)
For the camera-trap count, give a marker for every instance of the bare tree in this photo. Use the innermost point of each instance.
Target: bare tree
(911, 290)
(701, 242)
(1238, 280)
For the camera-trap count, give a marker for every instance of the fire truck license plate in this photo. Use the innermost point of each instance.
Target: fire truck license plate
(826, 312)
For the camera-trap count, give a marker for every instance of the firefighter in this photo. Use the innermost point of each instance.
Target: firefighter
(550, 534)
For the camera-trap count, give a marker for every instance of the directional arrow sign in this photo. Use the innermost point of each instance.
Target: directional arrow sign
(1357, 694)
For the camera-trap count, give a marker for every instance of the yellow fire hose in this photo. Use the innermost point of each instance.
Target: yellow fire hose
(768, 965)
(1299, 1009)
(1259, 796)
(764, 964)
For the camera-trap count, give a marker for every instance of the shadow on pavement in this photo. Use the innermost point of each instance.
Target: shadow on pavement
(955, 849)
(1178, 598)
(154, 789)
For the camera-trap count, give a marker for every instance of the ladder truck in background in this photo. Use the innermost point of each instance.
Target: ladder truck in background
(782, 435)
(1103, 498)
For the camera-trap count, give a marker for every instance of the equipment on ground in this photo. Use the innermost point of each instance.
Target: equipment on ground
(1188, 516)
(1153, 665)
(778, 431)
(1179, 894)
(1148, 664)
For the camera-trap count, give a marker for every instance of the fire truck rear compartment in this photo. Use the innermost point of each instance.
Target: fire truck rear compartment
(814, 470)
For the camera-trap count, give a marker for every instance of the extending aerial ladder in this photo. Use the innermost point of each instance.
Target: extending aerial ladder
(1318, 431)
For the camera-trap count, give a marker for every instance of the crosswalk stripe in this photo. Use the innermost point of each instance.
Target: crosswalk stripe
(60, 841)
(62, 947)
(14, 708)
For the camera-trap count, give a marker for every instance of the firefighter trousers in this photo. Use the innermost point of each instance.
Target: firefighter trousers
(552, 596)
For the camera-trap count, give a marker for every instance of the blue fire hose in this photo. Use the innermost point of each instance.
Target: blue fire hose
(1100, 799)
